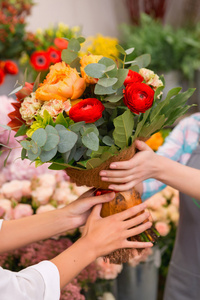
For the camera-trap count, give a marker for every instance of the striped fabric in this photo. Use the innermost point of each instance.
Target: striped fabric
(178, 146)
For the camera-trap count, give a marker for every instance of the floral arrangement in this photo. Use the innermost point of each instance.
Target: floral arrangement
(20, 198)
(12, 27)
(88, 112)
(43, 48)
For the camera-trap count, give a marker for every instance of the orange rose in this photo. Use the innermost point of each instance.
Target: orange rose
(155, 141)
(86, 60)
(61, 83)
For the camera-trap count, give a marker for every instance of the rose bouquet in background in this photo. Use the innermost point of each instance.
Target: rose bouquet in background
(88, 112)
(43, 48)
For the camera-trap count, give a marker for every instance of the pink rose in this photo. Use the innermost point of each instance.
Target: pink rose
(47, 179)
(45, 208)
(5, 204)
(107, 270)
(26, 188)
(156, 201)
(22, 210)
(42, 194)
(12, 189)
(175, 201)
(163, 228)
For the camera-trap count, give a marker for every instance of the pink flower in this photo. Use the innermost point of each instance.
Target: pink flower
(107, 270)
(2, 211)
(175, 201)
(5, 204)
(79, 190)
(26, 188)
(22, 210)
(42, 195)
(47, 180)
(173, 213)
(45, 208)
(142, 257)
(163, 228)
(55, 107)
(151, 78)
(156, 201)
(29, 108)
(12, 189)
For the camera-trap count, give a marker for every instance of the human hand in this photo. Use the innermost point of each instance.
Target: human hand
(79, 210)
(141, 166)
(104, 235)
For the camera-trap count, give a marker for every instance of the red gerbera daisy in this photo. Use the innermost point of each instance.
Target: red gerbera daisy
(54, 55)
(40, 60)
(10, 67)
(61, 43)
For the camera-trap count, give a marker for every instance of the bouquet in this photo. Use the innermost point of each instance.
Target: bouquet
(87, 113)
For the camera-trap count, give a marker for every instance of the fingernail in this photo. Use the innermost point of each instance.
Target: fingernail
(102, 173)
(111, 187)
(113, 166)
(104, 178)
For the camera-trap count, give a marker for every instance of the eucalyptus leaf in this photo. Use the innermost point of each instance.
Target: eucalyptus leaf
(101, 90)
(79, 153)
(32, 156)
(81, 39)
(111, 67)
(91, 141)
(40, 136)
(121, 75)
(87, 128)
(114, 98)
(129, 51)
(46, 156)
(120, 49)
(107, 82)
(76, 64)
(95, 70)
(142, 61)
(26, 144)
(23, 154)
(34, 147)
(123, 129)
(74, 45)
(107, 140)
(51, 142)
(67, 140)
(76, 127)
(68, 56)
(134, 68)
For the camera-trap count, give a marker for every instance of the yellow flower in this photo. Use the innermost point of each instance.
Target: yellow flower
(61, 83)
(155, 141)
(86, 60)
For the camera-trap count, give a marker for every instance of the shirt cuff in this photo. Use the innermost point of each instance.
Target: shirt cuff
(1, 222)
(51, 278)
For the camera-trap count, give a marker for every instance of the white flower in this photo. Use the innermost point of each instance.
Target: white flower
(12, 189)
(29, 108)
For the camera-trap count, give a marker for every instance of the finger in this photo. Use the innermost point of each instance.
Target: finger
(136, 220)
(137, 230)
(131, 212)
(140, 145)
(122, 187)
(118, 174)
(131, 244)
(123, 165)
(101, 199)
(120, 179)
(96, 211)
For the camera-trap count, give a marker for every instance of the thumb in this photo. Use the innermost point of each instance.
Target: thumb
(96, 210)
(142, 146)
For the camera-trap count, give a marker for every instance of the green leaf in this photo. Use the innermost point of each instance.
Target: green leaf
(39, 136)
(120, 49)
(16, 90)
(22, 130)
(121, 75)
(67, 140)
(91, 141)
(107, 82)
(23, 154)
(79, 153)
(87, 128)
(34, 147)
(76, 127)
(32, 156)
(56, 166)
(81, 39)
(107, 140)
(74, 45)
(36, 83)
(142, 61)
(111, 68)
(95, 70)
(93, 163)
(52, 130)
(48, 155)
(52, 141)
(26, 144)
(134, 68)
(101, 90)
(129, 51)
(61, 120)
(123, 129)
(76, 64)
(47, 118)
(68, 56)
(114, 98)
(156, 125)
(141, 123)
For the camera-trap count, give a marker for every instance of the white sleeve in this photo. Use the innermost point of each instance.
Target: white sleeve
(1, 221)
(38, 282)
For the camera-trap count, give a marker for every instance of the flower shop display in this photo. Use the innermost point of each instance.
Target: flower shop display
(88, 112)
(43, 48)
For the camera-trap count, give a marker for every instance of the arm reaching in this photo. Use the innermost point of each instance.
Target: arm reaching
(147, 164)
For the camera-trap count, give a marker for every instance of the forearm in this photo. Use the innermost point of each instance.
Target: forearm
(18, 233)
(180, 177)
(73, 260)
